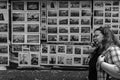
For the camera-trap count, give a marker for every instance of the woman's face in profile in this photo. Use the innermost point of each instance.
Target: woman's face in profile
(98, 37)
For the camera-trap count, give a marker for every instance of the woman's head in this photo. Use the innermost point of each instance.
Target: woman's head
(105, 37)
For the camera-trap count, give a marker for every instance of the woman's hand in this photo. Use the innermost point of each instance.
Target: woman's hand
(101, 59)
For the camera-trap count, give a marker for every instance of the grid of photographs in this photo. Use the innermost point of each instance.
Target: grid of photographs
(4, 33)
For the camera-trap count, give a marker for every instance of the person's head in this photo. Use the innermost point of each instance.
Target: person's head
(105, 37)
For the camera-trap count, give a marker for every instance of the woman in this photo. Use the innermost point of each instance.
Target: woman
(108, 61)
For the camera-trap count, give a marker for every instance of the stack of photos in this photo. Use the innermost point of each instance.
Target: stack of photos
(4, 33)
(64, 55)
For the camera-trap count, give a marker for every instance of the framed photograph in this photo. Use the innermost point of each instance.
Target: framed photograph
(18, 38)
(74, 37)
(18, 28)
(43, 20)
(34, 48)
(63, 38)
(107, 8)
(3, 38)
(61, 59)
(115, 26)
(107, 20)
(77, 60)
(52, 59)
(24, 59)
(63, 4)
(86, 13)
(17, 48)
(115, 8)
(52, 13)
(115, 20)
(86, 4)
(4, 61)
(33, 38)
(32, 5)
(98, 13)
(18, 16)
(69, 49)
(74, 21)
(63, 29)
(115, 14)
(115, 31)
(74, 29)
(44, 59)
(69, 60)
(63, 21)
(44, 48)
(52, 30)
(85, 38)
(74, 4)
(3, 27)
(52, 38)
(85, 29)
(115, 3)
(74, 13)
(4, 49)
(84, 61)
(3, 4)
(108, 14)
(3, 17)
(44, 13)
(61, 48)
(98, 21)
(18, 5)
(33, 16)
(108, 3)
(85, 21)
(52, 21)
(32, 27)
(43, 36)
(52, 49)
(34, 58)
(43, 4)
(77, 50)
(51, 4)
(98, 4)
(63, 13)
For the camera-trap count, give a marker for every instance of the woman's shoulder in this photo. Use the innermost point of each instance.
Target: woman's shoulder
(113, 47)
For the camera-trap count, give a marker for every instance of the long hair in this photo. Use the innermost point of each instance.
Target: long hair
(109, 37)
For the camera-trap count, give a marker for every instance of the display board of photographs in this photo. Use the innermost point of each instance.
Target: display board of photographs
(64, 55)
(4, 33)
(106, 13)
(69, 21)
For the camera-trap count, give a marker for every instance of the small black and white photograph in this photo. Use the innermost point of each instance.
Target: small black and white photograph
(17, 48)
(18, 5)
(43, 13)
(77, 50)
(74, 29)
(3, 38)
(74, 13)
(52, 59)
(115, 20)
(63, 13)
(43, 4)
(115, 3)
(98, 4)
(44, 59)
(63, 29)
(52, 30)
(52, 38)
(4, 49)
(3, 27)
(108, 3)
(69, 49)
(34, 48)
(2, 17)
(115, 26)
(52, 21)
(85, 29)
(23, 59)
(74, 4)
(33, 39)
(74, 37)
(18, 28)
(34, 58)
(33, 16)
(18, 38)
(98, 13)
(61, 49)
(107, 8)
(107, 20)
(98, 21)
(86, 13)
(107, 14)
(115, 14)
(44, 48)
(43, 20)
(52, 13)
(63, 21)
(51, 4)
(69, 60)
(4, 61)
(3, 4)
(32, 5)
(77, 60)
(63, 4)
(63, 38)
(115, 8)
(115, 31)
(52, 49)
(85, 38)
(84, 61)
(61, 59)
(85, 4)
(85, 21)
(74, 21)
(43, 36)
(18, 16)
(33, 28)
